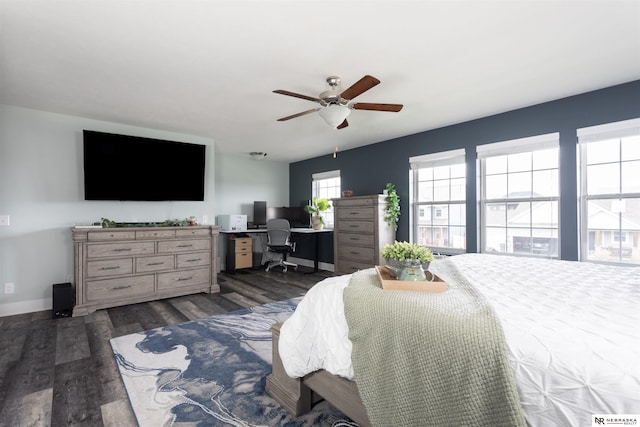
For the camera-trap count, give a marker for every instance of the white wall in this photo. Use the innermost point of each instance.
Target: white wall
(41, 188)
(240, 180)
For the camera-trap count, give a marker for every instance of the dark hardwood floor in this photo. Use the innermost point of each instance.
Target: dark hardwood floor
(61, 372)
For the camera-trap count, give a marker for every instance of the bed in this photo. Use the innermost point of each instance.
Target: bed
(571, 333)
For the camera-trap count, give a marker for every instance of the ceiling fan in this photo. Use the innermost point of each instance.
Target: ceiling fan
(336, 104)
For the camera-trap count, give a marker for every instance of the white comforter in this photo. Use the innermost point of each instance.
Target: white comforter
(573, 331)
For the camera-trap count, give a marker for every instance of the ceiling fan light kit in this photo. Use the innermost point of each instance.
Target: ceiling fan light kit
(334, 114)
(336, 104)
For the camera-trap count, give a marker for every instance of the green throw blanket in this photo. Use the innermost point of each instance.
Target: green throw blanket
(429, 359)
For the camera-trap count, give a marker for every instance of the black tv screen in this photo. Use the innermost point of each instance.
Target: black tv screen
(121, 167)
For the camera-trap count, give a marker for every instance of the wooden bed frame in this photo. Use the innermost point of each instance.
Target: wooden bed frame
(298, 395)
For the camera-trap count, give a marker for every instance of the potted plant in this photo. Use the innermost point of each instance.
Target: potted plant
(317, 206)
(392, 211)
(407, 260)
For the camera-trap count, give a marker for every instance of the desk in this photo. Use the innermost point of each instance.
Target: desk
(305, 231)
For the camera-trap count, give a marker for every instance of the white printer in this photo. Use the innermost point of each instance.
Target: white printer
(232, 222)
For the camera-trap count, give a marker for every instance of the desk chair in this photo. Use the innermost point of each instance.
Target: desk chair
(279, 242)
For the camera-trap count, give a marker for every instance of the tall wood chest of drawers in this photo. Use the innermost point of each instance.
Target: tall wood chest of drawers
(119, 266)
(360, 232)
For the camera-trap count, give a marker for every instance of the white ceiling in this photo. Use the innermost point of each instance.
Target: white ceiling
(208, 68)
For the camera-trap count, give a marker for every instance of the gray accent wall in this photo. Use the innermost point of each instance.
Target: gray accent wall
(367, 169)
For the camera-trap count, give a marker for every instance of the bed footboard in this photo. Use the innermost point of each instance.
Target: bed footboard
(289, 392)
(295, 394)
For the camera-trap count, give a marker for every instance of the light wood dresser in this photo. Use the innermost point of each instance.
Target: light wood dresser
(119, 266)
(360, 232)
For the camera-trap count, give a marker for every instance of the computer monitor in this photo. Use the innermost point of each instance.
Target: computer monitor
(259, 213)
(297, 217)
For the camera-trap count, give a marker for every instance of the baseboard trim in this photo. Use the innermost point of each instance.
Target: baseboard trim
(22, 307)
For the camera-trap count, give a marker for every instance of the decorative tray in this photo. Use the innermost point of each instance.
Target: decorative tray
(389, 283)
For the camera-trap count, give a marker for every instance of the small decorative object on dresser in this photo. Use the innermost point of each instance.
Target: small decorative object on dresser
(392, 210)
(119, 266)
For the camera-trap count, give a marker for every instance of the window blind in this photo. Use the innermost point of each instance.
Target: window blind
(442, 158)
(325, 175)
(609, 131)
(520, 145)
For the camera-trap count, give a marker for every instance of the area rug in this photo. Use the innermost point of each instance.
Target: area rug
(210, 372)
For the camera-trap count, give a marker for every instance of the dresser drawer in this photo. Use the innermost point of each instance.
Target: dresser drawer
(356, 239)
(244, 260)
(111, 267)
(357, 253)
(346, 202)
(119, 288)
(155, 263)
(189, 232)
(243, 244)
(348, 266)
(119, 249)
(184, 245)
(356, 227)
(155, 234)
(183, 278)
(194, 260)
(111, 235)
(356, 213)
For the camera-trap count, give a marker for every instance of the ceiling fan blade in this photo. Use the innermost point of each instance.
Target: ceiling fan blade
(361, 86)
(296, 95)
(343, 124)
(377, 107)
(298, 114)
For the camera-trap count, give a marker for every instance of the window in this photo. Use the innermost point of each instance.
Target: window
(610, 192)
(326, 185)
(438, 205)
(519, 196)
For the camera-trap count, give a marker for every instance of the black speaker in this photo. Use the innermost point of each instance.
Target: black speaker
(63, 300)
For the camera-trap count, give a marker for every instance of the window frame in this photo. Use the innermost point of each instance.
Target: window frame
(417, 163)
(594, 134)
(318, 191)
(537, 248)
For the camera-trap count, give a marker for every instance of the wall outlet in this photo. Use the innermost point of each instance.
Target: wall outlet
(9, 288)
(4, 220)
(205, 219)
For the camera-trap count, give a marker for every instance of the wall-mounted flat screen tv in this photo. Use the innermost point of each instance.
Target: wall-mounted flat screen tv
(130, 168)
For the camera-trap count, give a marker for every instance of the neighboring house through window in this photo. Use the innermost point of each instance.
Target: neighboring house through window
(519, 196)
(326, 185)
(610, 192)
(438, 214)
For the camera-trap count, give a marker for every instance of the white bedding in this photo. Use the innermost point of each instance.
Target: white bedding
(573, 332)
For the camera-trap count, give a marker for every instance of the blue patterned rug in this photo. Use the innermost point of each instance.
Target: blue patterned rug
(210, 372)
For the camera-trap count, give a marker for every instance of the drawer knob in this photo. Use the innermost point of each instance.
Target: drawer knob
(122, 250)
(155, 263)
(182, 279)
(110, 268)
(185, 246)
(193, 260)
(122, 287)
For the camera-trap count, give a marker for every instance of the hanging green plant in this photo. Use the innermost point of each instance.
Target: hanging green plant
(392, 211)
